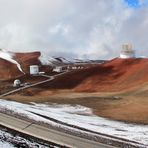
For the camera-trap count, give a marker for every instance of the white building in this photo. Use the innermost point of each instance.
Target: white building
(17, 83)
(41, 73)
(127, 51)
(74, 67)
(58, 69)
(34, 69)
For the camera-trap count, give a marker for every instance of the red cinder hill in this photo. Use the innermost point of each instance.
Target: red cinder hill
(115, 75)
(27, 59)
(120, 74)
(10, 62)
(8, 70)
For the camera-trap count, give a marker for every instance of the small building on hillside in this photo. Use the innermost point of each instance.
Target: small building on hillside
(41, 73)
(127, 51)
(34, 69)
(58, 69)
(17, 83)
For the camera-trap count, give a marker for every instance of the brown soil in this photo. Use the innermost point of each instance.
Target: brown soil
(127, 106)
(27, 59)
(114, 76)
(8, 70)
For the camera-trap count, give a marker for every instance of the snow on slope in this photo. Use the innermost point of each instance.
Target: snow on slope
(80, 116)
(54, 61)
(63, 60)
(47, 60)
(9, 57)
(5, 145)
(10, 140)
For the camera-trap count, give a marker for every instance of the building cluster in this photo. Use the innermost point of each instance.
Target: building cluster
(17, 83)
(126, 52)
(59, 69)
(34, 70)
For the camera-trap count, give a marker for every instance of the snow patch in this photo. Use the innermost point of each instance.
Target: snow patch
(46, 59)
(10, 140)
(9, 57)
(79, 116)
(5, 145)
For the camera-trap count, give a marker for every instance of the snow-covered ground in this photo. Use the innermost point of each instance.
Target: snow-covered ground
(5, 145)
(8, 140)
(80, 116)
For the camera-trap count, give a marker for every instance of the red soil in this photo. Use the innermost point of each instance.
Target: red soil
(115, 75)
(8, 70)
(31, 58)
(27, 59)
(120, 74)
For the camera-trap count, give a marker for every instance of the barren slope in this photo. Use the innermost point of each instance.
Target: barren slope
(8, 70)
(116, 75)
(120, 86)
(120, 74)
(27, 59)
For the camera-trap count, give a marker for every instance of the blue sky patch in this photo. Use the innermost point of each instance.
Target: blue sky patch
(133, 3)
(137, 3)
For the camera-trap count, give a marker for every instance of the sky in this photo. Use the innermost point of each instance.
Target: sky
(88, 29)
(137, 3)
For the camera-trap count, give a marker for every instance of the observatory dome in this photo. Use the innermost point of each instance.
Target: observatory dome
(17, 83)
(127, 51)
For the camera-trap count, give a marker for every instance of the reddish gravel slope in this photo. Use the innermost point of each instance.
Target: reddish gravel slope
(8, 70)
(27, 59)
(120, 74)
(115, 75)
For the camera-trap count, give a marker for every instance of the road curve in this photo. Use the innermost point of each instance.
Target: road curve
(49, 78)
(48, 134)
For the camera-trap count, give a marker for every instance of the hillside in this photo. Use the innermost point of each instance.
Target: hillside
(119, 90)
(27, 59)
(8, 70)
(13, 65)
(115, 75)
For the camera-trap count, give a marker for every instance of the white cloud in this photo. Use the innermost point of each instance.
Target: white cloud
(73, 28)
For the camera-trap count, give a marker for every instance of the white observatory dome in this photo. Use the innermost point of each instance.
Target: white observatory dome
(127, 51)
(17, 83)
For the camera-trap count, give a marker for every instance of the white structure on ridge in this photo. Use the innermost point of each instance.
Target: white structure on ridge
(58, 69)
(34, 69)
(127, 51)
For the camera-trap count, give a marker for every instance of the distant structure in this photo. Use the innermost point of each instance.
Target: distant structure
(127, 51)
(17, 83)
(58, 69)
(34, 69)
(41, 73)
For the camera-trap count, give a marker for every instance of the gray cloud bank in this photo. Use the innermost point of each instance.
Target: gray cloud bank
(93, 29)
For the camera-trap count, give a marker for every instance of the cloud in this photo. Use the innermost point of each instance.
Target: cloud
(73, 28)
